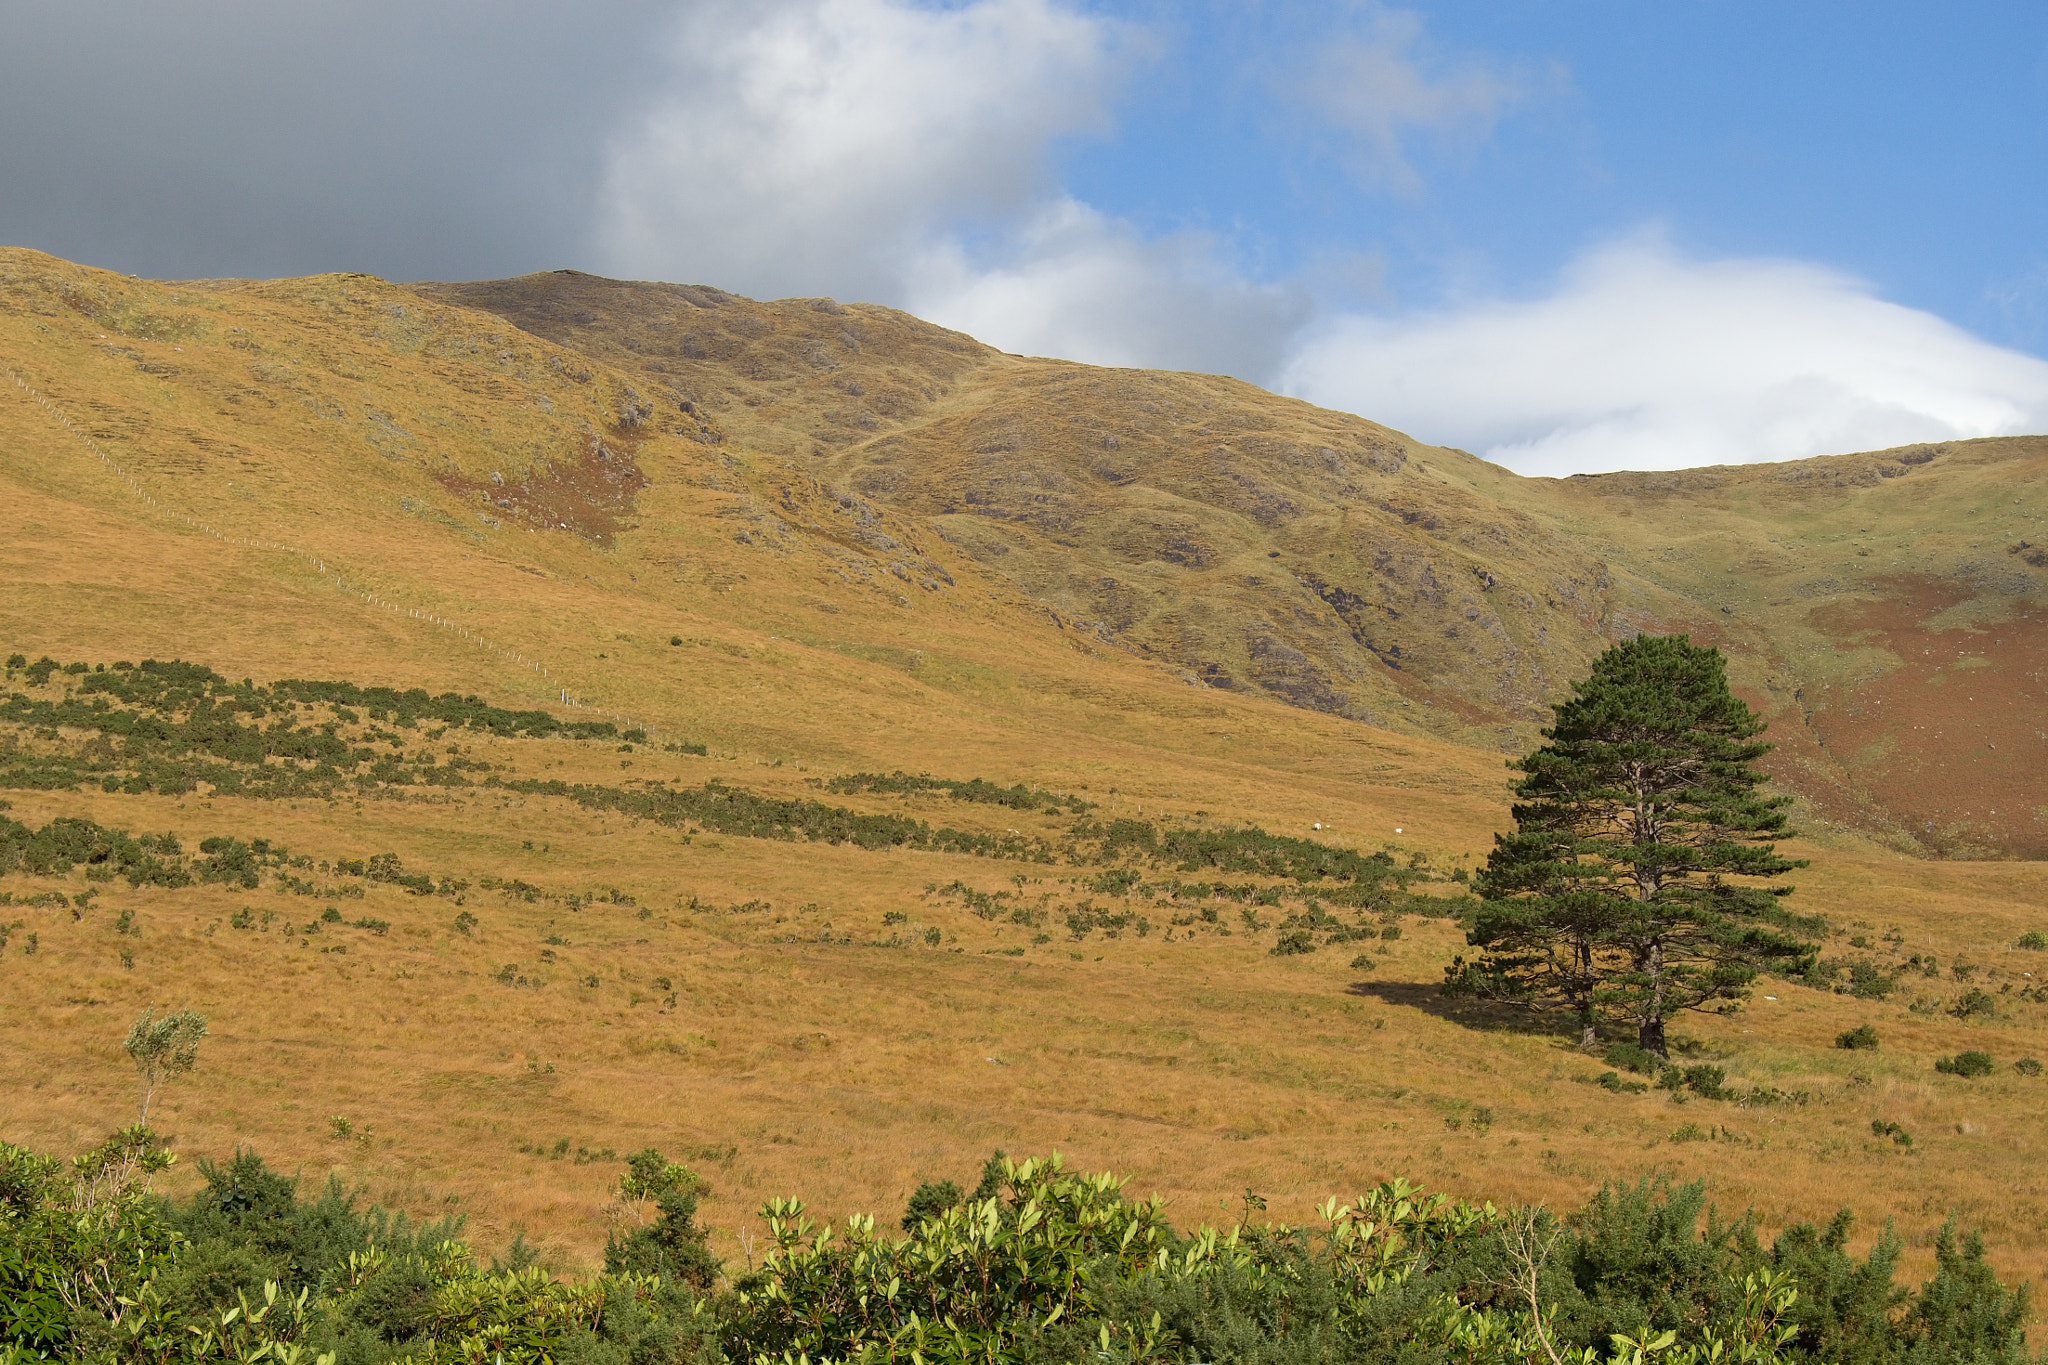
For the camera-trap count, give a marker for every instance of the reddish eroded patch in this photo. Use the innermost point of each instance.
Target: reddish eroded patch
(1954, 742)
(586, 498)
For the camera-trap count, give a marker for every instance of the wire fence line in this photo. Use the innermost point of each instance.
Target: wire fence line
(319, 564)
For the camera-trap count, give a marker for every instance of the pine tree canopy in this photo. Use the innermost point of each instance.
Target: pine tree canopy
(1632, 885)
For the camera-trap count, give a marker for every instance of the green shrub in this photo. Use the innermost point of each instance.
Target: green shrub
(2027, 1066)
(1975, 1003)
(1362, 963)
(1862, 1038)
(2033, 940)
(932, 1198)
(1627, 1056)
(1899, 1136)
(1966, 1064)
(1708, 1082)
(1396, 1274)
(1293, 943)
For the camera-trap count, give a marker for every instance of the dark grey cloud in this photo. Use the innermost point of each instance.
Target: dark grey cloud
(184, 139)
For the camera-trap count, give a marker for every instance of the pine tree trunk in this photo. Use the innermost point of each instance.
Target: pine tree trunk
(1650, 1025)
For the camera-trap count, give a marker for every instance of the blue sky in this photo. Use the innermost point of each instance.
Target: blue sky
(1906, 144)
(1568, 236)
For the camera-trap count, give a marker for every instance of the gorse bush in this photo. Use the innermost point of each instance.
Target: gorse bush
(1036, 1264)
(1862, 1038)
(976, 790)
(1966, 1064)
(1628, 1057)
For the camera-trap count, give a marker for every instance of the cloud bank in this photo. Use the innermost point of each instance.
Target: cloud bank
(818, 146)
(1644, 360)
(888, 152)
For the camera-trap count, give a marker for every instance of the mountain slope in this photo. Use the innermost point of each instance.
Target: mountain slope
(1258, 544)
(748, 939)
(306, 465)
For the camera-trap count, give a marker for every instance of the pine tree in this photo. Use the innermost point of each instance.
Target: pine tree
(1631, 885)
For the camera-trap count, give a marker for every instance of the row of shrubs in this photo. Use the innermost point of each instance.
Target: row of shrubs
(718, 808)
(976, 790)
(65, 844)
(1244, 849)
(178, 725)
(182, 724)
(174, 688)
(1036, 1264)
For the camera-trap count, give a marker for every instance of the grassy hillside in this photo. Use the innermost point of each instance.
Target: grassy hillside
(1263, 545)
(338, 479)
(1893, 607)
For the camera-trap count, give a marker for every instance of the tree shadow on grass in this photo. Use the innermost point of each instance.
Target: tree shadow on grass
(1483, 1016)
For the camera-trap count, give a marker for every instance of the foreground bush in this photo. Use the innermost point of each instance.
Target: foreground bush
(1039, 1264)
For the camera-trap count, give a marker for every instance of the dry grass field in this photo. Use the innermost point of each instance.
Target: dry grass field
(335, 479)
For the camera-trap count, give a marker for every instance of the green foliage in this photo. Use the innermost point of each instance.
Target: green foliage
(1862, 1038)
(931, 1199)
(168, 726)
(164, 1047)
(673, 1247)
(1034, 1265)
(1883, 1128)
(729, 810)
(2028, 1066)
(1974, 1004)
(1632, 1058)
(1630, 886)
(67, 843)
(1292, 943)
(1966, 1064)
(1246, 849)
(2033, 940)
(1860, 977)
(976, 790)
(1611, 1080)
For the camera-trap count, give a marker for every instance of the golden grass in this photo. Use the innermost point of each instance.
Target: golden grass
(843, 1072)
(849, 1072)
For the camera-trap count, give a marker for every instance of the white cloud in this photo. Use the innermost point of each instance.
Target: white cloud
(890, 152)
(1071, 283)
(1644, 360)
(817, 146)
